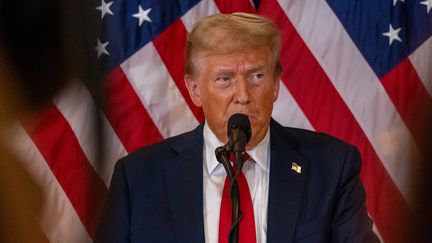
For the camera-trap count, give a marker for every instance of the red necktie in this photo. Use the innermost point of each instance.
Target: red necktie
(247, 224)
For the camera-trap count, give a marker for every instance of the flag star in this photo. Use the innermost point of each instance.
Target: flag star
(142, 15)
(395, 1)
(101, 48)
(393, 34)
(104, 8)
(428, 4)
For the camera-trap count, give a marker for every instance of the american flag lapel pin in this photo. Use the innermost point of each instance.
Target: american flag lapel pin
(295, 167)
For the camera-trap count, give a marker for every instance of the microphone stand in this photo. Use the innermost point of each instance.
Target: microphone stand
(222, 155)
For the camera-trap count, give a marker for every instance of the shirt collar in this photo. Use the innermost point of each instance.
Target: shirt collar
(260, 153)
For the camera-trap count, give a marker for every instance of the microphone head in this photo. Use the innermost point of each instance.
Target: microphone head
(242, 122)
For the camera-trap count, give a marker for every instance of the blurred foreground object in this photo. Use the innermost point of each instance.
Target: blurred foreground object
(21, 198)
(43, 46)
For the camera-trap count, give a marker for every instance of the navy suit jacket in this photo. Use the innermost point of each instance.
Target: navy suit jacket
(156, 193)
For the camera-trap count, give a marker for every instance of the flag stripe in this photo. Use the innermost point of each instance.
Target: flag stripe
(287, 111)
(173, 56)
(422, 62)
(61, 150)
(158, 92)
(112, 151)
(309, 85)
(59, 220)
(77, 109)
(411, 99)
(202, 9)
(359, 87)
(235, 6)
(126, 114)
(77, 106)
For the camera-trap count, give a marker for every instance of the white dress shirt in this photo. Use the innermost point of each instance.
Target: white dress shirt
(257, 173)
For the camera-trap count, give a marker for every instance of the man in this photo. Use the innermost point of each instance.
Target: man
(304, 185)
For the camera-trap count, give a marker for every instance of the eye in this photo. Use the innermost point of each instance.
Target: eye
(256, 76)
(224, 79)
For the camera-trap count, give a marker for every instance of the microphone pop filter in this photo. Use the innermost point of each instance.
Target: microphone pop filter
(242, 122)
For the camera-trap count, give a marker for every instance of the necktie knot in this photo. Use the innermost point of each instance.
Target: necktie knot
(246, 158)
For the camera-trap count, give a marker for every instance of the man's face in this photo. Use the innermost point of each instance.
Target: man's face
(242, 82)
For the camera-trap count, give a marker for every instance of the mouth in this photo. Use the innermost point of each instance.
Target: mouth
(251, 117)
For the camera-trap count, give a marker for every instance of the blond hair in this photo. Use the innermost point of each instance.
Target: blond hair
(228, 33)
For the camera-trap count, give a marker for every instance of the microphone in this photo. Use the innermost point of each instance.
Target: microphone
(239, 134)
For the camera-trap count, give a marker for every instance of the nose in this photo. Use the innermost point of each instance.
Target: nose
(241, 91)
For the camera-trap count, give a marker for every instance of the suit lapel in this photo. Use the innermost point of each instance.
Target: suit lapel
(286, 186)
(184, 179)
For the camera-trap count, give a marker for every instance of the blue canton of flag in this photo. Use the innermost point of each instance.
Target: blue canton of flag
(127, 26)
(386, 32)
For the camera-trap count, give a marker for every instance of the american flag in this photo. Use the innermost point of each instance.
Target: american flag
(360, 70)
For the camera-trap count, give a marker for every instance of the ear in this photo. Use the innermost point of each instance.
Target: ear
(276, 88)
(192, 86)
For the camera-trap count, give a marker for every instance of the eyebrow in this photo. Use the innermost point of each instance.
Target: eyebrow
(255, 68)
(225, 71)
(250, 69)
